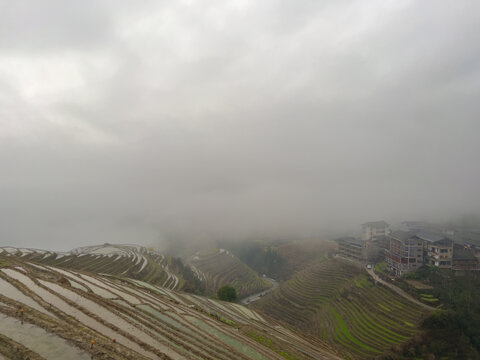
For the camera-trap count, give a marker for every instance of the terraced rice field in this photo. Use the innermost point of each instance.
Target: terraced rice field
(218, 267)
(339, 304)
(47, 345)
(129, 319)
(121, 260)
(429, 298)
(300, 254)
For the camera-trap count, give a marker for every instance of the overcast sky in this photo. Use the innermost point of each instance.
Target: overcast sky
(143, 121)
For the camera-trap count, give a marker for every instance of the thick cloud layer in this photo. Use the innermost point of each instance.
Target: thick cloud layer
(127, 121)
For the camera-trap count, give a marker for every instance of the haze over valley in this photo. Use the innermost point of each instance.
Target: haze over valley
(124, 122)
(239, 180)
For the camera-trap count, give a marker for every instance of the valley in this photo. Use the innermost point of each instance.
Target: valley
(218, 267)
(133, 302)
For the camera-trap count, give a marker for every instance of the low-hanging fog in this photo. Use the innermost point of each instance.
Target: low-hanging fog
(143, 122)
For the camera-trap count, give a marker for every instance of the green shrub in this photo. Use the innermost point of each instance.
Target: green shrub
(227, 293)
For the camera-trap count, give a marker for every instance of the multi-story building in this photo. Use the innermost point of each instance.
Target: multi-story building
(405, 253)
(352, 248)
(464, 259)
(383, 242)
(440, 253)
(372, 230)
(438, 250)
(468, 237)
(476, 253)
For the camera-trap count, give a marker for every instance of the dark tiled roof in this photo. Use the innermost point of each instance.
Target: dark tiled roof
(445, 241)
(434, 238)
(463, 254)
(402, 235)
(428, 236)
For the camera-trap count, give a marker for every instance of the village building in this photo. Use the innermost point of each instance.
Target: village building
(372, 230)
(468, 237)
(476, 252)
(405, 253)
(416, 227)
(464, 259)
(440, 253)
(438, 250)
(351, 248)
(383, 243)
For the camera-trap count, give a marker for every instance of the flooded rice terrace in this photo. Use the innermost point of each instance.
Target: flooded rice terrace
(45, 344)
(12, 292)
(127, 318)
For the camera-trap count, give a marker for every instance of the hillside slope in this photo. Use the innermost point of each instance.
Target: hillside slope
(131, 261)
(301, 253)
(338, 303)
(62, 311)
(218, 267)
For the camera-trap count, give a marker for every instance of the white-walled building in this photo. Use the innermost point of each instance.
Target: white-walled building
(371, 231)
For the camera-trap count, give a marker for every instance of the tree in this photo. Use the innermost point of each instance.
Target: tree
(227, 293)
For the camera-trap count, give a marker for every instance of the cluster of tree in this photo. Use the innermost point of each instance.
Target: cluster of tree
(227, 293)
(454, 331)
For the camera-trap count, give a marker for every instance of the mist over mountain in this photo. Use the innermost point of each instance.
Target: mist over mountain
(155, 122)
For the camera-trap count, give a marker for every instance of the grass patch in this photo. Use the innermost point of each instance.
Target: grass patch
(261, 339)
(358, 284)
(342, 331)
(362, 282)
(429, 299)
(226, 321)
(361, 323)
(381, 267)
(4, 263)
(418, 284)
(377, 326)
(384, 307)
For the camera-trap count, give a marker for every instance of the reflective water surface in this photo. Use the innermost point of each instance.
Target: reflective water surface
(48, 345)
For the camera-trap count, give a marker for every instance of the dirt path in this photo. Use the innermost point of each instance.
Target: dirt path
(258, 296)
(398, 290)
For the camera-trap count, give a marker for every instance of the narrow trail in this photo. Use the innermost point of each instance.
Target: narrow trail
(398, 290)
(258, 296)
(392, 287)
